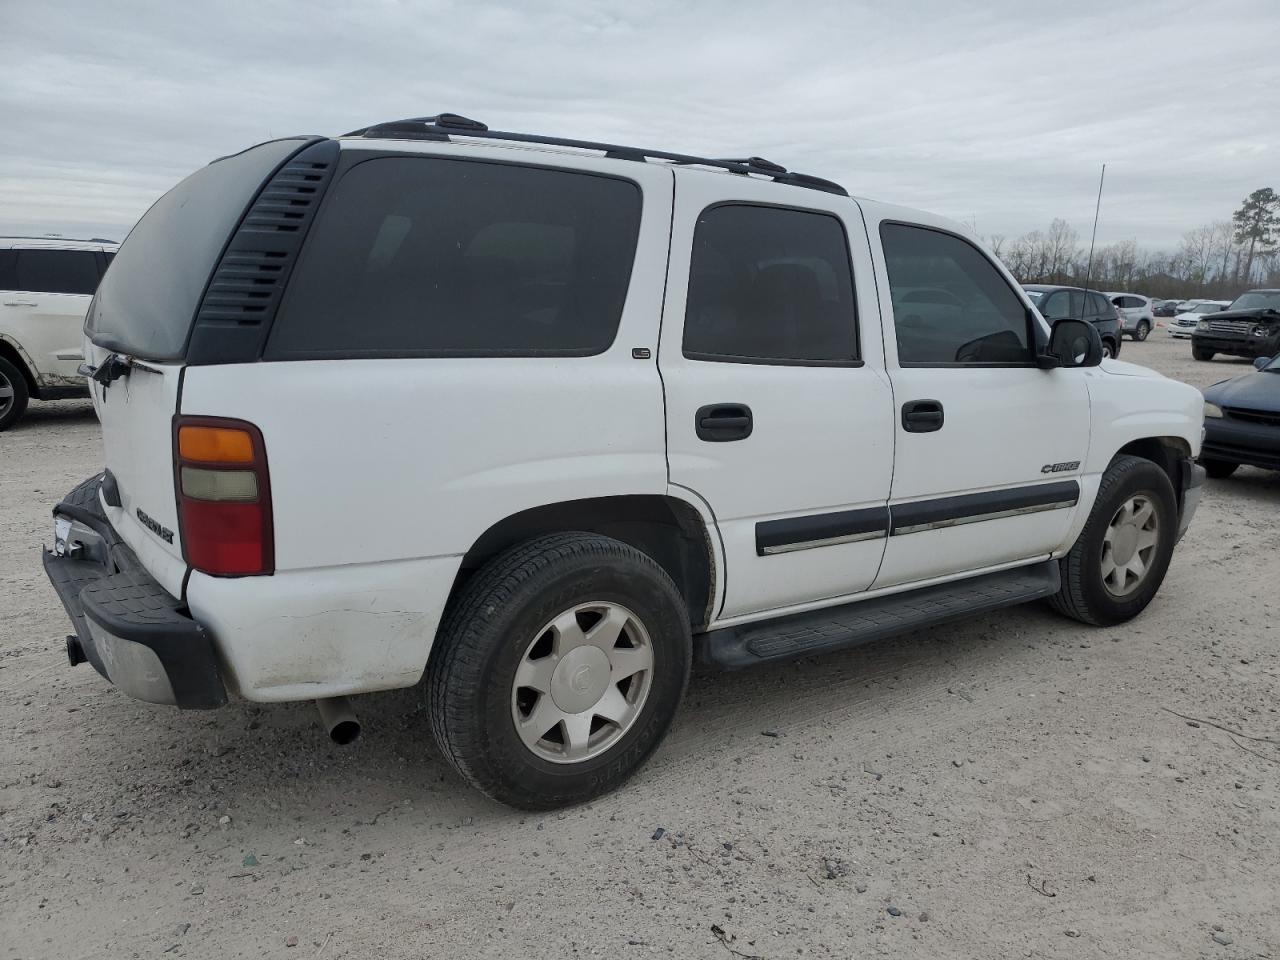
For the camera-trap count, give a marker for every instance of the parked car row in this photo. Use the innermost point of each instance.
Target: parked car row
(45, 289)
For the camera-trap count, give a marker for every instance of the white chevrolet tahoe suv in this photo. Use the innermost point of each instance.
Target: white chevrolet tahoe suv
(45, 289)
(537, 422)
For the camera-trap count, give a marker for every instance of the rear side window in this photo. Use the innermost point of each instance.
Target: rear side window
(950, 303)
(1102, 307)
(770, 285)
(417, 256)
(51, 271)
(147, 301)
(1062, 303)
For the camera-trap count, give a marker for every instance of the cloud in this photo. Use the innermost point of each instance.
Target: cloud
(999, 114)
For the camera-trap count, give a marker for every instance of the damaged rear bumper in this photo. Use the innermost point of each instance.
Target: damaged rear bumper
(134, 633)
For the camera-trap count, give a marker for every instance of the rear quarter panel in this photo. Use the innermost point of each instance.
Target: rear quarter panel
(385, 471)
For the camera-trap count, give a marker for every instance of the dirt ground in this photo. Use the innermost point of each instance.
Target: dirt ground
(1012, 786)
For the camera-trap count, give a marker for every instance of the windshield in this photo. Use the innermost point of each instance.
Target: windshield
(1257, 300)
(1035, 295)
(1273, 366)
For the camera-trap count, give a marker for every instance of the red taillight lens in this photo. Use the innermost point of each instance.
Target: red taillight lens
(224, 496)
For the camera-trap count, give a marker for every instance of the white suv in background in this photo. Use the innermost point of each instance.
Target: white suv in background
(536, 422)
(45, 289)
(1137, 317)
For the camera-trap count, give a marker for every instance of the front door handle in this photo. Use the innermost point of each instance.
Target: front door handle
(922, 416)
(18, 303)
(721, 422)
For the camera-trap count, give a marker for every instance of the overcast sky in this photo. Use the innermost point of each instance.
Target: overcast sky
(999, 112)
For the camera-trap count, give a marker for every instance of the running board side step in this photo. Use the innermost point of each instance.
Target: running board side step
(851, 624)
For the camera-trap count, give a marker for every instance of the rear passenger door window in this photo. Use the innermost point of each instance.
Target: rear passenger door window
(950, 303)
(1058, 305)
(419, 257)
(55, 271)
(770, 285)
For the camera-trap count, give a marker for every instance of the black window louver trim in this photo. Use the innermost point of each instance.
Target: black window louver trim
(244, 293)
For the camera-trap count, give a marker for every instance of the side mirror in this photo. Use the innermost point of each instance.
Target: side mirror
(1260, 363)
(1072, 343)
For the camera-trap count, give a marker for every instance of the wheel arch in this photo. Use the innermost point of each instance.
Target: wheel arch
(670, 530)
(11, 351)
(1170, 454)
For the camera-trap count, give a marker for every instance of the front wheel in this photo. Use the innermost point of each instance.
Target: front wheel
(1200, 353)
(558, 670)
(1143, 331)
(1121, 556)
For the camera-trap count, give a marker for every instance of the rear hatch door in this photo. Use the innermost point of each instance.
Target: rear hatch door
(138, 330)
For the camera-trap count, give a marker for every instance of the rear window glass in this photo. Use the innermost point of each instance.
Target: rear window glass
(418, 256)
(51, 271)
(770, 285)
(148, 299)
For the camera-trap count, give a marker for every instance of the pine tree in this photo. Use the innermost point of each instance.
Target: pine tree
(1257, 224)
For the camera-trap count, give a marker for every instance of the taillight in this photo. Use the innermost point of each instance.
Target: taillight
(224, 496)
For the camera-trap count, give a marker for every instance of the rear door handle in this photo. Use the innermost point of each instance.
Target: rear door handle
(18, 303)
(922, 416)
(721, 422)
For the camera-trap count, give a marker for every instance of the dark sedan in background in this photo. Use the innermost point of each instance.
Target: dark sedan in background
(1250, 327)
(1242, 421)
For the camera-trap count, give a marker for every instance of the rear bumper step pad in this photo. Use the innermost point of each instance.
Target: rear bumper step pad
(133, 632)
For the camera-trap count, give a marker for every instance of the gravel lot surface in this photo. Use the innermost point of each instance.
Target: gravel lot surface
(1012, 786)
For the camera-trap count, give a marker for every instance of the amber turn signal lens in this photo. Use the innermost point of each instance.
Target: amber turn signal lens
(215, 445)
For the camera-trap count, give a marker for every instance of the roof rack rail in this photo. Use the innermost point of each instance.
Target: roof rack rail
(443, 126)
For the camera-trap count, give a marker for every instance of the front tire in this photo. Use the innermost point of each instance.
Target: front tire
(13, 394)
(558, 670)
(1200, 353)
(1143, 331)
(1120, 559)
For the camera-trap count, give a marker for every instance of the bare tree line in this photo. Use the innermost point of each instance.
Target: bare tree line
(1218, 260)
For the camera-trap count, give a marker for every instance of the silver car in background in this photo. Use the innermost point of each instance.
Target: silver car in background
(1137, 314)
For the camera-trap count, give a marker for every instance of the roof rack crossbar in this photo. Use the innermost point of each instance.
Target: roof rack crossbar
(446, 125)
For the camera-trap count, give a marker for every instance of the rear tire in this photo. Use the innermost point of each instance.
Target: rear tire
(1219, 469)
(13, 394)
(1143, 331)
(1200, 353)
(518, 716)
(1120, 559)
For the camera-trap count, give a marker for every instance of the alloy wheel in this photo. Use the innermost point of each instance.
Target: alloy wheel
(1129, 545)
(582, 682)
